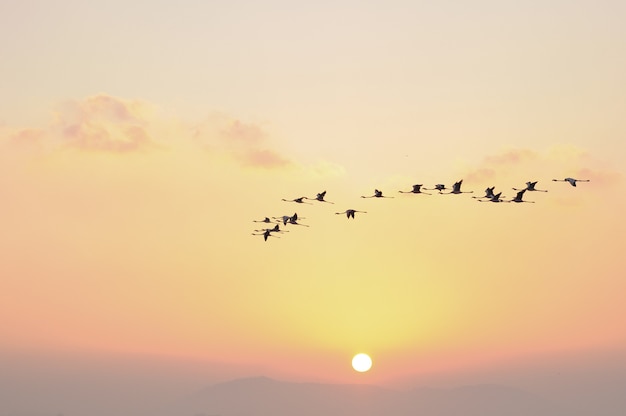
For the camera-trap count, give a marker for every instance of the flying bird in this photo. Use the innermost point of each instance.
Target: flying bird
(377, 194)
(286, 218)
(488, 193)
(530, 186)
(518, 197)
(266, 220)
(275, 229)
(294, 221)
(456, 189)
(266, 234)
(496, 198)
(439, 187)
(417, 189)
(298, 200)
(571, 181)
(320, 197)
(350, 213)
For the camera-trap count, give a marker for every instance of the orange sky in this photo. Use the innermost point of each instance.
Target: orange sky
(130, 185)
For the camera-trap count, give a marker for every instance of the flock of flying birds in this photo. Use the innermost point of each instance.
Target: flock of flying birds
(489, 196)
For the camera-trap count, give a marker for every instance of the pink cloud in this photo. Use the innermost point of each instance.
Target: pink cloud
(243, 132)
(556, 162)
(498, 164)
(601, 178)
(27, 137)
(104, 124)
(107, 124)
(509, 157)
(481, 175)
(88, 136)
(264, 159)
(246, 142)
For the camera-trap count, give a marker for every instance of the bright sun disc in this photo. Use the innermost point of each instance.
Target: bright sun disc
(361, 362)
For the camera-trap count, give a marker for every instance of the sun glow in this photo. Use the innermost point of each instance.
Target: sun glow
(361, 362)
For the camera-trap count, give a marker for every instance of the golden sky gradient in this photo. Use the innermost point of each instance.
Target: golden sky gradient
(138, 143)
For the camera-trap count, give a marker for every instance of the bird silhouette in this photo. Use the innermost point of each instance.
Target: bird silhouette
(518, 197)
(488, 193)
(266, 220)
(417, 189)
(294, 221)
(266, 234)
(496, 198)
(286, 218)
(275, 229)
(298, 200)
(439, 187)
(320, 197)
(456, 189)
(377, 194)
(571, 181)
(530, 186)
(350, 213)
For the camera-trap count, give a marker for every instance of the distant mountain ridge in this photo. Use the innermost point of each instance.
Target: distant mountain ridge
(262, 396)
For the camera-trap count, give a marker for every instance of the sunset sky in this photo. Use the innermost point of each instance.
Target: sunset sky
(140, 140)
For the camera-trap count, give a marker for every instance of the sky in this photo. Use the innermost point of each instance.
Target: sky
(139, 142)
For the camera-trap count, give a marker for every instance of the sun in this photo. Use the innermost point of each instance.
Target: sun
(361, 362)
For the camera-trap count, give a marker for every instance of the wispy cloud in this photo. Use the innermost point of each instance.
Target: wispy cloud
(27, 137)
(247, 143)
(112, 125)
(554, 163)
(103, 123)
(510, 157)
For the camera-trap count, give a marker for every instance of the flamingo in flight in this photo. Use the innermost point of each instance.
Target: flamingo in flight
(298, 200)
(488, 193)
(284, 219)
(267, 233)
(496, 198)
(266, 220)
(350, 213)
(530, 186)
(320, 197)
(276, 229)
(439, 187)
(518, 197)
(287, 218)
(417, 189)
(571, 181)
(456, 189)
(294, 221)
(377, 194)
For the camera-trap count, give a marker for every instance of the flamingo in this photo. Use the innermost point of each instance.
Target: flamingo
(417, 189)
(320, 197)
(350, 213)
(286, 218)
(294, 221)
(456, 189)
(530, 186)
(439, 187)
(267, 233)
(518, 197)
(266, 220)
(571, 181)
(298, 200)
(496, 198)
(377, 194)
(488, 193)
(276, 229)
